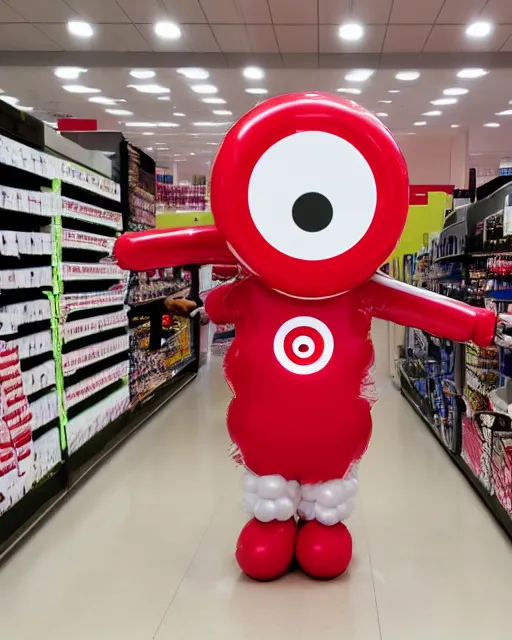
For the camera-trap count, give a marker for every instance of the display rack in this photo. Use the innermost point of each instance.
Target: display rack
(464, 392)
(64, 325)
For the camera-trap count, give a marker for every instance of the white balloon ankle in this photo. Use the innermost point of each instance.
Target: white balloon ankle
(268, 498)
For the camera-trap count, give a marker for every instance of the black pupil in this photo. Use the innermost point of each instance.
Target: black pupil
(312, 212)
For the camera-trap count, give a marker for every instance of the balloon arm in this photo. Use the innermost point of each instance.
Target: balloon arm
(390, 299)
(217, 304)
(160, 248)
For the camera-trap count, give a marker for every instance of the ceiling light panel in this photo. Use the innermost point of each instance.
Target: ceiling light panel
(253, 73)
(455, 91)
(407, 76)
(472, 73)
(421, 123)
(104, 100)
(257, 91)
(359, 75)
(491, 125)
(443, 101)
(351, 32)
(222, 112)
(149, 88)
(69, 73)
(119, 112)
(80, 29)
(142, 74)
(203, 88)
(167, 30)
(194, 73)
(479, 29)
(214, 101)
(80, 88)
(349, 90)
(432, 113)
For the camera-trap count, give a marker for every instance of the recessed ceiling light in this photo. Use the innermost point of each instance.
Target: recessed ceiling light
(472, 73)
(381, 114)
(10, 100)
(407, 76)
(212, 124)
(507, 112)
(385, 101)
(216, 144)
(79, 88)
(162, 148)
(166, 98)
(222, 112)
(432, 113)
(204, 88)
(192, 154)
(104, 100)
(351, 31)
(443, 101)
(194, 73)
(178, 114)
(149, 88)
(455, 91)
(253, 73)
(167, 30)
(119, 112)
(359, 75)
(80, 28)
(455, 126)
(492, 125)
(214, 101)
(149, 148)
(18, 106)
(148, 133)
(257, 91)
(479, 29)
(140, 124)
(142, 74)
(167, 124)
(69, 73)
(422, 123)
(394, 91)
(157, 143)
(351, 90)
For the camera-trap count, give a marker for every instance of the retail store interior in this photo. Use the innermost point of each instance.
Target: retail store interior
(119, 487)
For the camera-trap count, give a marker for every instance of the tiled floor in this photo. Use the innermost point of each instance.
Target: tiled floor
(145, 548)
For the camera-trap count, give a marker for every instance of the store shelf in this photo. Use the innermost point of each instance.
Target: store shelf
(73, 302)
(89, 213)
(20, 156)
(97, 324)
(32, 202)
(71, 239)
(44, 410)
(39, 378)
(75, 360)
(32, 345)
(92, 271)
(88, 387)
(90, 422)
(29, 278)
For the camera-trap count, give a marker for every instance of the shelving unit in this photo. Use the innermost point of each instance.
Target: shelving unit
(64, 321)
(467, 404)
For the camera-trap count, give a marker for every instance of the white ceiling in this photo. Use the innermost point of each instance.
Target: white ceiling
(297, 43)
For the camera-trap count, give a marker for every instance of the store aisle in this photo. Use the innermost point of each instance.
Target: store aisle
(145, 548)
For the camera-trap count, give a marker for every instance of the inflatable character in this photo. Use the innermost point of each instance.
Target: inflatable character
(309, 194)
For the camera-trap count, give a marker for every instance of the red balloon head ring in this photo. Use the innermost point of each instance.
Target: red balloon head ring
(309, 193)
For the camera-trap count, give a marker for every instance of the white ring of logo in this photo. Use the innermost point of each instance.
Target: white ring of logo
(303, 321)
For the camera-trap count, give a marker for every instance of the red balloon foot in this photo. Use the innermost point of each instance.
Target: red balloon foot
(265, 549)
(323, 552)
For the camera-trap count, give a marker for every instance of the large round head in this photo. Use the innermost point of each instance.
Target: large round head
(311, 193)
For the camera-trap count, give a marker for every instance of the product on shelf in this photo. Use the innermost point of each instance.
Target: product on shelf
(173, 197)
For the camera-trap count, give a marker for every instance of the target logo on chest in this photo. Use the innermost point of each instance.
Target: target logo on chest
(303, 345)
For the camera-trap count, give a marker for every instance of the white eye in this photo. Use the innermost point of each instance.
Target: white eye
(312, 195)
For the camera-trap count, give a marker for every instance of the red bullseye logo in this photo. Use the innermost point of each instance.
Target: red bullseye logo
(303, 345)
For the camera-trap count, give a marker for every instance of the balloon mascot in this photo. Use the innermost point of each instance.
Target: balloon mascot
(309, 194)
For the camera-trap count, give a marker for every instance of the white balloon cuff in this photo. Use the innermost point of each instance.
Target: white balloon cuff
(268, 498)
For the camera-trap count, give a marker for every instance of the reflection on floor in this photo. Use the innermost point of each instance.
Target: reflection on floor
(145, 548)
